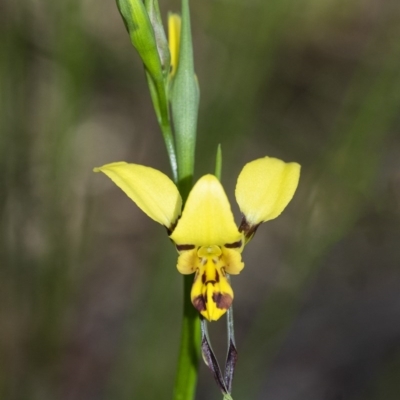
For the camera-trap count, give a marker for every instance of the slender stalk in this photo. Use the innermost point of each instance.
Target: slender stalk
(184, 102)
(189, 356)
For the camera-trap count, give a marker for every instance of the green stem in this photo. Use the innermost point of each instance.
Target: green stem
(160, 103)
(169, 143)
(189, 355)
(184, 105)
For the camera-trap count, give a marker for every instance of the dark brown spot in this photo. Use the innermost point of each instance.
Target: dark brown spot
(222, 300)
(234, 245)
(182, 247)
(172, 227)
(204, 277)
(199, 303)
(216, 276)
(248, 229)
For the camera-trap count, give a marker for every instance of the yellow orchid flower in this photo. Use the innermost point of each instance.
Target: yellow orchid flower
(205, 235)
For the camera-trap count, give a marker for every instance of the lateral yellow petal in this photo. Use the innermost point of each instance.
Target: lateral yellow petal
(232, 260)
(207, 217)
(188, 262)
(152, 191)
(265, 187)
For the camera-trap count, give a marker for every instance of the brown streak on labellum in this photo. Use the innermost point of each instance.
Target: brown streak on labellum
(216, 276)
(204, 277)
(234, 245)
(182, 247)
(199, 303)
(223, 301)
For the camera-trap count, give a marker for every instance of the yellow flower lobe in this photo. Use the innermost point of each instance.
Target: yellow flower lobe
(265, 187)
(211, 292)
(152, 191)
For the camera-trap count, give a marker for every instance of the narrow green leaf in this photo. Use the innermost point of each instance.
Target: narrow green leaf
(148, 37)
(153, 11)
(142, 36)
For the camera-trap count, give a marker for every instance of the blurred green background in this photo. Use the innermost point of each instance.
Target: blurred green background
(90, 299)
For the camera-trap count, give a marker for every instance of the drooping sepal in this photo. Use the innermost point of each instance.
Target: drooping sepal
(152, 191)
(232, 354)
(224, 381)
(210, 359)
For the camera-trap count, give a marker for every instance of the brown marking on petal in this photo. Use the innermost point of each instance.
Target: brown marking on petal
(204, 277)
(199, 303)
(222, 300)
(214, 261)
(248, 229)
(216, 276)
(182, 247)
(223, 271)
(234, 245)
(173, 226)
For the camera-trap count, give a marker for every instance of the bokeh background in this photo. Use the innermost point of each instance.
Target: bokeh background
(90, 299)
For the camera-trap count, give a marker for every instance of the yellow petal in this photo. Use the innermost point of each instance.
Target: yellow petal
(207, 217)
(265, 187)
(188, 262)
(152, 191)
(232, 261)
(174, 37)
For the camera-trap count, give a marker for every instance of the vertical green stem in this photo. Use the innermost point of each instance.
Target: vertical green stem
(189, 356)
(184, 104)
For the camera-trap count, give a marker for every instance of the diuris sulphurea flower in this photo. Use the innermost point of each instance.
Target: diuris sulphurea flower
(205, 235)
